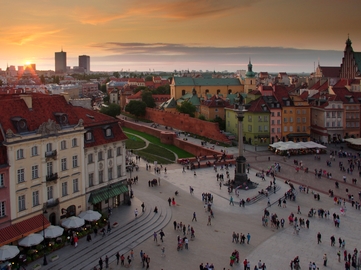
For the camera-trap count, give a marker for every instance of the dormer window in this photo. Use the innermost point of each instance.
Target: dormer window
(61, 118)
(108, 132)
(89, 136)
(20, 124)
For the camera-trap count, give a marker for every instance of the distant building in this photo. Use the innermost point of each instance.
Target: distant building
(60, 62)
(84, 62)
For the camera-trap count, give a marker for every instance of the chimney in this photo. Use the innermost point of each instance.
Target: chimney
(28, 100)
(66, 96)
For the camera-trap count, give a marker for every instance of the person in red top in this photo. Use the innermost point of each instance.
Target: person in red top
(245, 264)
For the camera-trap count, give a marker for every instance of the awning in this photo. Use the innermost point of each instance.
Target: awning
(23, 228)
(107, 192)
(298, 135)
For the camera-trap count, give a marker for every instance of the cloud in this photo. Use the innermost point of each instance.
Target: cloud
(22, 35)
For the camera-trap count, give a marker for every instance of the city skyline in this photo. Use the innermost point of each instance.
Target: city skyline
(277, 35)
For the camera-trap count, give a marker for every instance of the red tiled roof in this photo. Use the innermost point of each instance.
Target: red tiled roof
(215, 101)
(23, 228)
(256, 106)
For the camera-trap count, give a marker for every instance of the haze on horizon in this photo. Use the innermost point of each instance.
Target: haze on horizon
(278, 35)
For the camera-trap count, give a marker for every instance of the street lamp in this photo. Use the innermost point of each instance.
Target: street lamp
(45, 260)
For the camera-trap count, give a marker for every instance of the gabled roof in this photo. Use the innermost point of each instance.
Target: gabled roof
(257, 106)
(171, 103)
(215, 102)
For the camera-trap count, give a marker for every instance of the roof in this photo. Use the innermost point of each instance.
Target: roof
(187, 81)
(215, 102)
(257, 106)
(23, 228)
(330, 72)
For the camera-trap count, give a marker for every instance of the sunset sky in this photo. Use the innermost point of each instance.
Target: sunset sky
(278, 35)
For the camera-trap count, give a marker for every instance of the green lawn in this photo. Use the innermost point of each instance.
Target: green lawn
(134, 142)
(181, 153)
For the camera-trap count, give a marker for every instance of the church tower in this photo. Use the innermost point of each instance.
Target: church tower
(250, 81)
(351, 62)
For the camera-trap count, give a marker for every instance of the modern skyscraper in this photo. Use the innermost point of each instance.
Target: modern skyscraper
(60, 62)
(84, 62)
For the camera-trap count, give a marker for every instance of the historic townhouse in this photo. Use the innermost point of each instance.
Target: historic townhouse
(4, 188)
(104, 163)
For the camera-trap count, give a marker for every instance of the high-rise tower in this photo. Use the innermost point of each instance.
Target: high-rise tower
(60, 62)
(84, 62)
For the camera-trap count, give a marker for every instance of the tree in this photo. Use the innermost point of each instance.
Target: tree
(162, 90)
(136, 107)
(148, 99)
(139, 88)
(116, 74)
(111, 109)
(221, 123)
(103, 88)
(106, 99)
(149, 78)
(201, 117)
(187, 108)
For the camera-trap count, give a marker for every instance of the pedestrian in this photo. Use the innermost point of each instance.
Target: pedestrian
(148, 261)
(106, 262)
(333, 240)
(136, 212)
(299, 210)
(155, 238)
(194, 216)
(118, 257)
(325, 260)
(268, 202)
(161, 233)
(76, 239)
(231, 201)
(129, 260)
(169, 201)
(186, 242)
(95, 231)
(248, 238)
(163, 251)
(101, 263)
(209, 220)
(122, 259)
(339, 256)
(141, 254)
(143, 206)
(175, 225)
(319, 238)
(132, 254)
(307, 224)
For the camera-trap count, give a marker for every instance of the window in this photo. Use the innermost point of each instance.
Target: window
(298, 120)
(34, 151)
(63, 164)
(100, 156)
(278, 113)
(273, 122)
(265, 128)
(91, 179)
(21, 175)
(291, 128)
(2, 209)
(249, 118)
(284, 129)
(110, 153)
(2, 181)
(278, 122)
(21, 200)
(284, 111)
(101, 177)
(303, 111)
(327, 124)
(20, 154)
(63, 145)
(35, 198)
(272, 114)
(259, 118)
(49, 168)
(278, 130)
(298, 129)
(50, 192)
(291, 111)
(75, 161)
(75, 185)
(90, 158)
(34, 172)
(291, 120)
(265, 118)
(304, 129)
(272, 130)
(49, 147)
(88, 136)
(119, 151)
(338, 123)
(250, 128)
(259, 128)
(74, 142)
(298, 111)
(110, 174)
(119, 170)
(64, 189)
(285, 120)
(108, 132)
(303, 119)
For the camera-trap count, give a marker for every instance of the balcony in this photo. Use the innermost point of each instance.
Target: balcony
(51, 203)
(52, 177)
(51, 154)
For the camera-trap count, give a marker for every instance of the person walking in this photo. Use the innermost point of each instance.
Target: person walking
(194, 216)
(143, 206)
(169, 201)
(268, 202)
(136, 212)
(231, 201)
(307, 224)
(319, 238)
(155, 237)
(325, 260)
(209, 220)
(141, 254)
(118, 257)
(106, 262)
(248, 238)
(129, 260)
(100, 263)
(163, 251)
(122, 258)
(186, 242)
(161, 233)
(299, 210)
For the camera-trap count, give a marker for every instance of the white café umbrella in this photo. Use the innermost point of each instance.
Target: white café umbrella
(8, 252)
(73, 222)
(90, 215)
(52, 231)
(31, 240)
